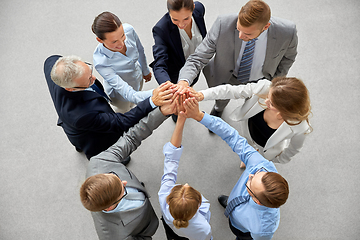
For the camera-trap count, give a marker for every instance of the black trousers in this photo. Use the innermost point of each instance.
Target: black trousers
(239, 234)
(170, 233)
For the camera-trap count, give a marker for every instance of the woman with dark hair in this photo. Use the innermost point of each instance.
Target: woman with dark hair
(185, 212)
(274, 118)
(176, 36)
(120, 59)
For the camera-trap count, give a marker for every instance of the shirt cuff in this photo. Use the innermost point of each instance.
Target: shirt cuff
(152, 103)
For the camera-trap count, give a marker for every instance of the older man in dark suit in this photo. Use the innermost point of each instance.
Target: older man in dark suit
(84, 113)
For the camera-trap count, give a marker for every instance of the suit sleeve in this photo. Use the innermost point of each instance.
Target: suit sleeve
(234, 92)
(113, 122)
(202, 55)
(131, 140)
(160, 53)
(289, 56)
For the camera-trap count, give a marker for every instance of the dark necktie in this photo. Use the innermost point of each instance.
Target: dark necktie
(234, 203)
(100, 91)
(246, 61)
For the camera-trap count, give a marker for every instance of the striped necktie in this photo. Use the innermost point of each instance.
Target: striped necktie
(246, 61)
(234, 203)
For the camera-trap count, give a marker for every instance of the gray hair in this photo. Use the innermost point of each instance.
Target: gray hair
(65, 70)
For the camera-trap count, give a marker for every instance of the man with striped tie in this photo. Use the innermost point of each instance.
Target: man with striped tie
(242, 48)
(253, 204)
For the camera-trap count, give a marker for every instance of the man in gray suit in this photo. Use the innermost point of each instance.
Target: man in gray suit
(118, 201)
(273, 50)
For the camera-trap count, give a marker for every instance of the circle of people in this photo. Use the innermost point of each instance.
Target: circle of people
(245, 55)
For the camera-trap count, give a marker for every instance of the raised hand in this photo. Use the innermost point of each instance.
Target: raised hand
(198, 95)
(171, 107)
(181, 86)
(191, 106)
(163, 94)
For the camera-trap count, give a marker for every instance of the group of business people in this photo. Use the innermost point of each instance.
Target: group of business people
(244, 55)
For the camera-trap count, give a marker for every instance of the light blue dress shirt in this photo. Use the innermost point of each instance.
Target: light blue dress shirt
(199, 227)
(259, 220)
(123, 74)
(126, 204)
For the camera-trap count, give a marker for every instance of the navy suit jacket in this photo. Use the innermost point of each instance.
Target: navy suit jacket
(86, 117)
(167, 51)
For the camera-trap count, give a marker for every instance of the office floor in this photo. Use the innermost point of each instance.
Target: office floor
(42, 172)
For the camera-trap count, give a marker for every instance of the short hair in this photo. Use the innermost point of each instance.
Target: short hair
(105, 22)
(177, 5)
(254, 11)
(65, 70)
(184, 202)
(290, 96)
(100, 191)
(276, 190)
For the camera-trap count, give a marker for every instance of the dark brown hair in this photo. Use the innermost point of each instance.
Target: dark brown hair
(184, 202)
(105, 22)
(177, 5)
(100, 191)
(276, 190)
(254, 11)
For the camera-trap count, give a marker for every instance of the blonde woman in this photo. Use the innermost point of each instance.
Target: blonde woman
(185, 212)
(274, 118)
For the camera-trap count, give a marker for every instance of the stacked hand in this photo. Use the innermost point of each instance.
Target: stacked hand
(163, 94)
(179, 100)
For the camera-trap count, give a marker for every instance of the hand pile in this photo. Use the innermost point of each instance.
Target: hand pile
(179, 100)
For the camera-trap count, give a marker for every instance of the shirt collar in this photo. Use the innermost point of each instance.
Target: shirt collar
(263, 35)
(106, 51)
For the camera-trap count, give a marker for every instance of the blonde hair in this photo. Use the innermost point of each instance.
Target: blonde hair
(290, 97)
(184, 202)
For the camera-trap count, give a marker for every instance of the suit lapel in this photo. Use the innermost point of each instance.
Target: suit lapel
(280, 134)
(176, 41)
(270, 46)
(237, 45)
(199, 21)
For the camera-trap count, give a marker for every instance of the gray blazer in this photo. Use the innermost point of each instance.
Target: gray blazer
(221, 46)
(139, 223)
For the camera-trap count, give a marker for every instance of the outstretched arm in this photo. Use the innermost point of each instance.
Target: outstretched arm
(237, 143)
(179, 127)
(131, 140)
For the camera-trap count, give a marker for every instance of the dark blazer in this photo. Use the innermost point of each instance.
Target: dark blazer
(167, 51)
(86, 117)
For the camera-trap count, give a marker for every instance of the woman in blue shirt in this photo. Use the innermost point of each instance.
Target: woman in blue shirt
(185, 212)
(120, 59)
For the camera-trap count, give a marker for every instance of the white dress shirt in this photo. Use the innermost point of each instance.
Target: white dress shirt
(189, 45)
